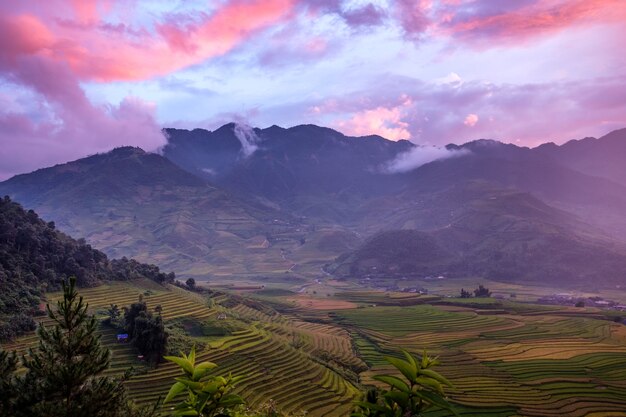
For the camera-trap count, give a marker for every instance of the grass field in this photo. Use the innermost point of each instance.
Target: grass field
(504, 358)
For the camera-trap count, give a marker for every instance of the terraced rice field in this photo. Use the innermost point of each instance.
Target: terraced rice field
(276, 354)
(504, 358)
(549, 364)
(378, 298)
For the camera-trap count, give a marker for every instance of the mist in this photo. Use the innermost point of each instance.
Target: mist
(248, 138)
(418, 156)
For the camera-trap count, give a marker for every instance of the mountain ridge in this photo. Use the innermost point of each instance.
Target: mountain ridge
(237, 199)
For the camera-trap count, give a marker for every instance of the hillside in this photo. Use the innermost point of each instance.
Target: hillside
(599, 201)
(35, 258)
(131, 203)
(497, 234)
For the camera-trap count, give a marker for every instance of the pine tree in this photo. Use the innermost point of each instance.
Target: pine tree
(62, 378)
(8, 388)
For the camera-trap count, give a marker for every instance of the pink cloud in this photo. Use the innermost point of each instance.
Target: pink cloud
(45, 51)
(516, 21)
(96, 52)
(491, 23)
(68, 125)
(470, 120)
(527, 114)
(383, 121)
(413, 17)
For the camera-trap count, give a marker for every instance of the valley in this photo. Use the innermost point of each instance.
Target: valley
(504, 357)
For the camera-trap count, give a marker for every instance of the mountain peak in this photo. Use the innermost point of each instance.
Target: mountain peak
(126, 151)
(619, 134)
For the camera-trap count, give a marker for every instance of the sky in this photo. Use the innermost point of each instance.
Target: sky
(78, 77)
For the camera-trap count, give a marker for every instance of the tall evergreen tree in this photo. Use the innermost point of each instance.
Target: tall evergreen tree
(8, 387)
(62, 378)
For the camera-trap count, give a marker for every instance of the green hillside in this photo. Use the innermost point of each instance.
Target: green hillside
(35, 258)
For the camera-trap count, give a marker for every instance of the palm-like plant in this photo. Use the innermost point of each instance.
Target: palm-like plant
(421, 389)
(207, 395)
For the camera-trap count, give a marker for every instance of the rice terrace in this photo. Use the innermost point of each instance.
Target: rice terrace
(504, 358)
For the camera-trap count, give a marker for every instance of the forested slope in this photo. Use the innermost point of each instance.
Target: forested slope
(35, 257)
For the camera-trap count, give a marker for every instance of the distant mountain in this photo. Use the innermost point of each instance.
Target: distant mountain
(35, 257)
(324, 175)
(597, 200)
(497, 234)
(131, 203)
(306, 170)
(603, 157)
(272, 201)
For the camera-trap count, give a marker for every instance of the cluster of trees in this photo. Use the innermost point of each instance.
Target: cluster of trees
(124, 269)
(146, 330)
(481, 291)
(35, 257)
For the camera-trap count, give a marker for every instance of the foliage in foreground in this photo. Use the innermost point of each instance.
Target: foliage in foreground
(210, 395)
(421, 389)
(207, 395)
(63, 374)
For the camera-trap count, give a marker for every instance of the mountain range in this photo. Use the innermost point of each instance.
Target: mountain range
(287, 202)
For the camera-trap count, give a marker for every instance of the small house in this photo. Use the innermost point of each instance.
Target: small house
(123, 338)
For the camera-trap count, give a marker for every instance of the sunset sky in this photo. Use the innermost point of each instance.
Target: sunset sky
(83, 76)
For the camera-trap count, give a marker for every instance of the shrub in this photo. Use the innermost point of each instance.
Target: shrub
(420, 390)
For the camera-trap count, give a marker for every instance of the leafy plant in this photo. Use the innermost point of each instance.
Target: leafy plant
(207, 395)
(421, 389)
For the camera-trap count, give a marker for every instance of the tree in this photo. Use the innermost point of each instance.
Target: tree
(207, 395)
(8, 388)
(465, 294)
(114, 315)
(63, 373)
(482, 291)
(191, 284)
(421, 389)
(146, 331)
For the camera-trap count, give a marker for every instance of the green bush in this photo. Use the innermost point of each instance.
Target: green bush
(420, 390)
